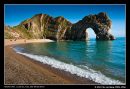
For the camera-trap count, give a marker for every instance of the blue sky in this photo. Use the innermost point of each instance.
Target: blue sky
(14, 14)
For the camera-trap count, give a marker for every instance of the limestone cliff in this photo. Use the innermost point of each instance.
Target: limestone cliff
(44, 26)
(100, 24)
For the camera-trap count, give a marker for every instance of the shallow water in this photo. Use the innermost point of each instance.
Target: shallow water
(100, 61)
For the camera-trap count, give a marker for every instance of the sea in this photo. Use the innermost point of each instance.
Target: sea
(101, 61)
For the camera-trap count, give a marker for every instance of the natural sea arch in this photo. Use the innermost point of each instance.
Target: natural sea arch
(100, 23)
(60, 29)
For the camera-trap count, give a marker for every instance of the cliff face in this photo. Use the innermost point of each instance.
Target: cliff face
(100, 24)
(44, 26)
(15, 32)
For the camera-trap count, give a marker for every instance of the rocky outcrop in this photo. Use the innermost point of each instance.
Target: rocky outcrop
(15, 32)
(44, 26)
(100, 24)
(10, 33)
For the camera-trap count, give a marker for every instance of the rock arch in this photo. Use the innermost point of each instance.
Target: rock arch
(100, 24)
(59, 28)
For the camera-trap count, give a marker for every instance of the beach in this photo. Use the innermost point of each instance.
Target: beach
(23, 70)
(23, 41)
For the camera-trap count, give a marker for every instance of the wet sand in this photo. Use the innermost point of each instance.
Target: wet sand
(23, 70)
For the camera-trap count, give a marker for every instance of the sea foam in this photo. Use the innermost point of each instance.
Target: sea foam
(89, 73)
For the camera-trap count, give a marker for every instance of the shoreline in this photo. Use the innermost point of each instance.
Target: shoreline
(20, 69)
(24, 41)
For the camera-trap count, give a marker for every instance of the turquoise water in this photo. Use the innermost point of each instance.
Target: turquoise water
(106, 58)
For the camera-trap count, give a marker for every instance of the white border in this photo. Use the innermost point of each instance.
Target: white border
(64, 4)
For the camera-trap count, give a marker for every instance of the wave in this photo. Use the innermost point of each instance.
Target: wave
(89, 73)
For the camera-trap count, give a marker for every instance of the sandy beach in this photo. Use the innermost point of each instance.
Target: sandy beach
(23, 70)
(23, 41)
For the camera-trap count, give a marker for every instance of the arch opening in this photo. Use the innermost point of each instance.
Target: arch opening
(90, 33)
(99, 25)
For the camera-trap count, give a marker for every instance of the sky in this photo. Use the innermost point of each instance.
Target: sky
(14, 14)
